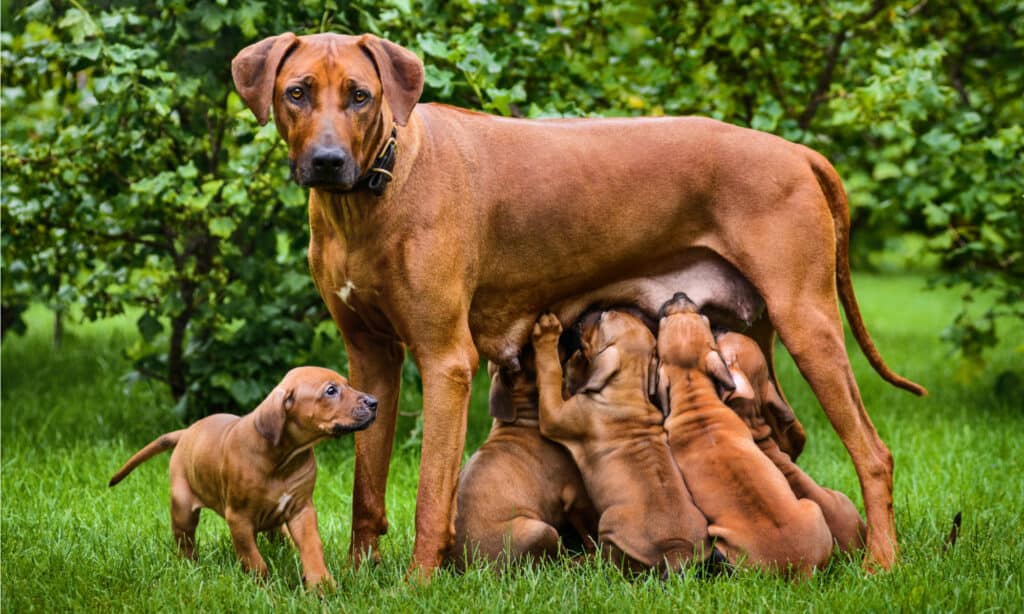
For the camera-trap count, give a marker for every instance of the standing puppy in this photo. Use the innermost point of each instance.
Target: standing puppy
(754, 398)
(615, 435)
(520, 490)
(258, 470)
(752, 513)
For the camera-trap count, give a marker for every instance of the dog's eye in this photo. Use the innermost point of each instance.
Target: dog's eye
(332, 391)
(360, 96)
(296, 93)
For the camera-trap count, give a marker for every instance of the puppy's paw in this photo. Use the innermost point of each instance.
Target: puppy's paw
(321, 585)
(547, 329)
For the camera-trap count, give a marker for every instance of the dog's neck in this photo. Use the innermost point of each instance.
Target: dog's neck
(692, 391)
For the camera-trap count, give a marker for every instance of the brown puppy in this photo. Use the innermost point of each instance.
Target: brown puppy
(615, 435)
(755, 399)
(258, 470)
(751, 510)
(520, 490)
(448, 232)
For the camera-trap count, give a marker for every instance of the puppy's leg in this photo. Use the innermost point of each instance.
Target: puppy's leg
(243, 537)
(303, 529)
(549, 377)
(184, 517)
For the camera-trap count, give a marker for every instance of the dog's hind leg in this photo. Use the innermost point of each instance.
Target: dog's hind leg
(184, 517)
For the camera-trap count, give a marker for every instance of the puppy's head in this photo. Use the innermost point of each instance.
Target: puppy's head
(756, 398)
(685, 341)
(617, 349)
(311, 404)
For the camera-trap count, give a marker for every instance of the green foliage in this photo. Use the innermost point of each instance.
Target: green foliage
(133, 175)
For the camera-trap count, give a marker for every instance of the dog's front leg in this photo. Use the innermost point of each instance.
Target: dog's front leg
(306, 535)
(375, 366)
(243, 537)
(447, 378)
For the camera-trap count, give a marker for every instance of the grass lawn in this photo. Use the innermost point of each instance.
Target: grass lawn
(71, 543)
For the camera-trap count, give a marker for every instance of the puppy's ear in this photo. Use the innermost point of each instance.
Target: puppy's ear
(605, 364)
(254, 71)
(500, 403)
(664, 392)
(271, 414)
(716, 368)
(743, 389)
(786, 428)
(401, 75)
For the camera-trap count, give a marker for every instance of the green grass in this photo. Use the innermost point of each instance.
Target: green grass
(71, 543)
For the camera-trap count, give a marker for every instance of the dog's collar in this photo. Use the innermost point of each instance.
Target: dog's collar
(377, 178)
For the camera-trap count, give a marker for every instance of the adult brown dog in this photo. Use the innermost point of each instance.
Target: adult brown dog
(755, 393)
(487, 222)
(614, 433)
(752, 513)
(258, 470)
(519, 491)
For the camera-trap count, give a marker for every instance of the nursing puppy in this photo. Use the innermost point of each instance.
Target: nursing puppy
(615, 435)
(520, 492)
(752, 513)
(754, 398)
(258, 470)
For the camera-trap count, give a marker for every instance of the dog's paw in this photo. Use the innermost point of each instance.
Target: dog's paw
(321, 585)
(547, 329)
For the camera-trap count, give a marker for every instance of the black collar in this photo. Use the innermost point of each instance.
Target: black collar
(377, 178)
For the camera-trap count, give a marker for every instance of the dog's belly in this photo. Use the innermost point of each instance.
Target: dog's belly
(501, 321)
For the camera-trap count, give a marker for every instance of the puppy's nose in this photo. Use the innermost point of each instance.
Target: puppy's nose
(370, 403)
(329, 160)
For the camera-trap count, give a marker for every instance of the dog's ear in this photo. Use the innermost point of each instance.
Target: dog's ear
(715, 365)
(664, 392)
(271, 414)
(743, 389)
(401, 75)
(652, 378)
(786, 429)
(254, 70)
(605, 364)
(500, 403)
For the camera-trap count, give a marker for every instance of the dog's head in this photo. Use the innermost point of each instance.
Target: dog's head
(618, 351)
(756, 398)
(685, 341)
(335, 99)
(310, 404)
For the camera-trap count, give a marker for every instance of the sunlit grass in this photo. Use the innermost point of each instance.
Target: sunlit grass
(71, 543)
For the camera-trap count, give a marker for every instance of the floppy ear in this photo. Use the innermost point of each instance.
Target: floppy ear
(786, 428)
(254, 70)
(401, 75)
(743, 390)
(718, 371)
(605, 364)
(270, 414)
(500, 403)
(664, 392)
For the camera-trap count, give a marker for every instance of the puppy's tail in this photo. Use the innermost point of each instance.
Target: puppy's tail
(162, 443)
(831, 185)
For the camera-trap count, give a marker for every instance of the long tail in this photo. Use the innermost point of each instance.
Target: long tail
(835, 194)
(162, 443)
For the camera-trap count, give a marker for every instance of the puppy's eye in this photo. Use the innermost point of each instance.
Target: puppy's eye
(360, 96)
(296, 93)
(332, 391)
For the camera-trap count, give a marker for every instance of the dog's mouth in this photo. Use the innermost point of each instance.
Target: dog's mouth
(338, 428)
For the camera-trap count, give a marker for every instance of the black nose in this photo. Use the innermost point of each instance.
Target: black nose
(329, 160)
(370, 402)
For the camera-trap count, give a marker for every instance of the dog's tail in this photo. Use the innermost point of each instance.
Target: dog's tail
(162, 443)
(835, 194)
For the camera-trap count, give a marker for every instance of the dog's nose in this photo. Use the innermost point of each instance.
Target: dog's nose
(370, 403)
(329, 160)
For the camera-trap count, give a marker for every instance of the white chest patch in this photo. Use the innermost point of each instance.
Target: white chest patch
(283, 501)
(345, 292)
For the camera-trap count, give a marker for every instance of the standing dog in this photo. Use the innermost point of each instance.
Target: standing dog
(520, 490)
(615, 435)
(755, 398)
(258, 470)
(752, 513)
(448, 232)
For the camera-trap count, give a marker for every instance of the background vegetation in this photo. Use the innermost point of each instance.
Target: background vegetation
(134, 177)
